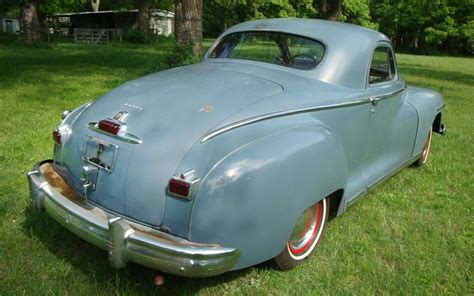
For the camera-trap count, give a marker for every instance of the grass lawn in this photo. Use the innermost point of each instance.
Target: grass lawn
(411, 235)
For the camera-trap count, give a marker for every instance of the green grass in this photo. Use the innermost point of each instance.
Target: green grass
(411, 235)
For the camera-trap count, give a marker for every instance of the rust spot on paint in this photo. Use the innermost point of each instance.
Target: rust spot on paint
(58, 183)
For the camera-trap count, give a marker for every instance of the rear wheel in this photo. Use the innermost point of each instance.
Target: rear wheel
(426, 151)
(305, 236)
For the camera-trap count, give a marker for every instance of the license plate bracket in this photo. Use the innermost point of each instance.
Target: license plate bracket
(99, 153)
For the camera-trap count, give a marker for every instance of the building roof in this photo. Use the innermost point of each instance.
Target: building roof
(158, 12)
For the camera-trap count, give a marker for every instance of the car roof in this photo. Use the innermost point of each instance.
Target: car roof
(348, 47)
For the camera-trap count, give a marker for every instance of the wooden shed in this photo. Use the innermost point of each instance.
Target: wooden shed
(104, 25)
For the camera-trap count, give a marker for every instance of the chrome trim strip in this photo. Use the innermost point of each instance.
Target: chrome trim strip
(125, 137)
(296, 111)
(127, 241)
(389, 95)
(280, 114)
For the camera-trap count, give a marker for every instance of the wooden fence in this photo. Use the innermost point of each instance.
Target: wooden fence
(95, 36)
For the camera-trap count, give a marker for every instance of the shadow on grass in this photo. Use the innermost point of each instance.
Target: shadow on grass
(92, 262)
(76, 62)
(437, 74)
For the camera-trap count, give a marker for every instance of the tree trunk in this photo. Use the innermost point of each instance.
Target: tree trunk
(329, 9)
(144, 16)
(188, 23)
(30, 23)
(95, 5)
(1, 25)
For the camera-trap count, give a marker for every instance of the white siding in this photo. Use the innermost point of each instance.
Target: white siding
(15, 24)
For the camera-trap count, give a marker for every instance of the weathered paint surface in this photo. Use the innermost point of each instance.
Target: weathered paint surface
(306, 134)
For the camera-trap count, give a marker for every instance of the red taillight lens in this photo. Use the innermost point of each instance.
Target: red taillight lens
(57, 137)
(109, 126)
(179, 187)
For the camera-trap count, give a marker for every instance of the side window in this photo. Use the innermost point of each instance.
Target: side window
(382, 67)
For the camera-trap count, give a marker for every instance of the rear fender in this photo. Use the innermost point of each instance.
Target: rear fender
(252, 198)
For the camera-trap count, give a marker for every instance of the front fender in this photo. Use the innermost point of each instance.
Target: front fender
(428, 105)
(252, 197)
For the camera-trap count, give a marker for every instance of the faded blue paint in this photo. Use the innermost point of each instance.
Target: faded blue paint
(255, 179)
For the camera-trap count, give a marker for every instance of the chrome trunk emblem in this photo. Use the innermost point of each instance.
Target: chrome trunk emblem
(121, 116)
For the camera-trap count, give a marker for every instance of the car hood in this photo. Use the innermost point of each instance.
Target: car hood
(169, 111)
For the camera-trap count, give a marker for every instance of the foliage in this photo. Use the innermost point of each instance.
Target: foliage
(136, 35)
(444, 25)
(357, 12)
(181, 56)
(467, 34)
(421, 25)
(412, 235)
(176, 56)
(219, 15)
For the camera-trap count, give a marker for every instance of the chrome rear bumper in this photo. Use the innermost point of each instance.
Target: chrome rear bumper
(124, 240)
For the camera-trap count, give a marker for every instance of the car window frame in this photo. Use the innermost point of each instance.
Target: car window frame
(395, 78)
(323, 58)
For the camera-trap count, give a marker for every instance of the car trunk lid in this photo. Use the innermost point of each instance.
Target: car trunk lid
(169, 112)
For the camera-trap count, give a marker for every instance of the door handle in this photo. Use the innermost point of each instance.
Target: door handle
(374, 101)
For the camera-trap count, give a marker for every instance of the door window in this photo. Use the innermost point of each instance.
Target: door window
(382, 67)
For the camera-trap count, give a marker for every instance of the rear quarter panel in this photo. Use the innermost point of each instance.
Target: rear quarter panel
(252, 198)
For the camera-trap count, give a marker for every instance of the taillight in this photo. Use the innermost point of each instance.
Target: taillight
(109, 126)
(184, 186)
(179, 187)
(61, 134)
(57, 137)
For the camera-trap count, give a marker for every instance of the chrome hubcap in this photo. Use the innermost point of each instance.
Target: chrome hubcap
(304, 229)
(307, 231)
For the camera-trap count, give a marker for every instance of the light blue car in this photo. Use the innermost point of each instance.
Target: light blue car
(241, 158)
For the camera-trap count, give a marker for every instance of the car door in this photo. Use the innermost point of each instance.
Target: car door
(393, 122)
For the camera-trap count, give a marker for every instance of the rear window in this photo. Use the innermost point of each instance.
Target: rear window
(270, 47)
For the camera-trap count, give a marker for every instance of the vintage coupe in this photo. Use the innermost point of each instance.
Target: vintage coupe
(241, 158)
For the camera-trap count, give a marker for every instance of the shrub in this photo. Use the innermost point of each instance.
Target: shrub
(176, 56)
(181, 56)
(136, 35)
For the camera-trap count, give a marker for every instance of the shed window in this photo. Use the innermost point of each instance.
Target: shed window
(382, 68)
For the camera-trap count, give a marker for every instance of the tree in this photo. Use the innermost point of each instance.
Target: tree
(329, 9)
(144, 14)
(188, 24)
(30, 23)
(95, 5)
(357, 12)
